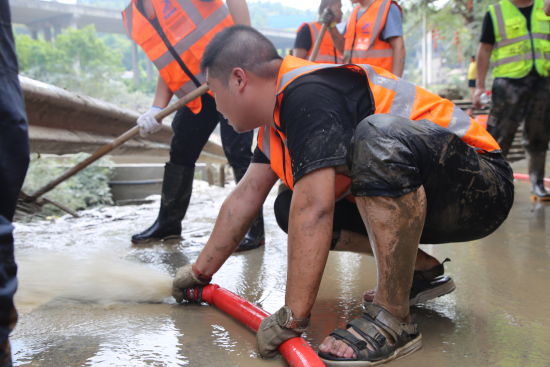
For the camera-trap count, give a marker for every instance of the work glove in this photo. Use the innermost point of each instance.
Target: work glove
(187, 285)
(147, 122)
(327, 17)
(271, 334)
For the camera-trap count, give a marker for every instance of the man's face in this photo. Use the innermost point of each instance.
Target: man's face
(232, 103)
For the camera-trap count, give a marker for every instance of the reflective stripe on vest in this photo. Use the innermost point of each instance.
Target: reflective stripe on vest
(362, 44)
(327, 51)
(516, 48)
(186, 27)
(392, 96)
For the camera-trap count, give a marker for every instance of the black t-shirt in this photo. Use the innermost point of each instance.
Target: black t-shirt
(319, 113)
(303, 38)
(487, 29)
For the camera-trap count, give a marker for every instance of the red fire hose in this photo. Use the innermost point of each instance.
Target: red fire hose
(296, 351)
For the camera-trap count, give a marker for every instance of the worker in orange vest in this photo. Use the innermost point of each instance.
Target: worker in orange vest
(374, 35)
(308, 33)
(417, 168)
(174, 34)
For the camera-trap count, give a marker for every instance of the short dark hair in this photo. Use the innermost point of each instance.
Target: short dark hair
(238, 46)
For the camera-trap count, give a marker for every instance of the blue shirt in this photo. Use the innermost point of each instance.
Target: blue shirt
(394, 23)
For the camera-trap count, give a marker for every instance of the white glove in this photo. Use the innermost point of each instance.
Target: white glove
(147, 122)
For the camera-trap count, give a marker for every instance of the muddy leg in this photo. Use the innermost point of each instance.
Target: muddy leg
(394, 226)
(350, 241)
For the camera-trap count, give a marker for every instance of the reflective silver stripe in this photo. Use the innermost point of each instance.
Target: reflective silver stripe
(315, 33)
(405, 92)
(377, 28)
(288, 76)
(191, 11)
(509, 41)
(403, 100)
(202, 28)
(380, 80)
(511, 59)
(460, 122)
(541, 36)
(500, 21)
(388, 52)
(538, 56)
(189, 86)
(266, 142)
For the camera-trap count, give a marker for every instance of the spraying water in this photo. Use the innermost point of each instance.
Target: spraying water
(102, 277)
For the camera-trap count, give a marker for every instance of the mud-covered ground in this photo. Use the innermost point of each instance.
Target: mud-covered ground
(88, 298)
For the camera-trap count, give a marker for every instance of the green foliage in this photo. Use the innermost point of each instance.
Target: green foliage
(457, 26)
(87, 188)
(83, 61)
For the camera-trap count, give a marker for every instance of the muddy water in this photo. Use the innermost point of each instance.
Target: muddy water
(88, 298)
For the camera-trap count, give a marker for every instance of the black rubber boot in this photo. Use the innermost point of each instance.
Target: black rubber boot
(255, 237)
(176, 194)
(536, 163)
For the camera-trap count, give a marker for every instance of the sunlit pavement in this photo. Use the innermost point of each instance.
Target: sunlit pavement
(498, 315)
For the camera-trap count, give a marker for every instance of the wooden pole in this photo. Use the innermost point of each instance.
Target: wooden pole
(115, 143)
(317, 44)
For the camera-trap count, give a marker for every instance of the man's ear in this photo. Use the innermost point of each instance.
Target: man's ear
(239, 78)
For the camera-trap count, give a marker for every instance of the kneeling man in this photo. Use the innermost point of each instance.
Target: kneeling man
(416, 166)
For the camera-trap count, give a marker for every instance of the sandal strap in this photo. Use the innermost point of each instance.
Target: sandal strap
(372, 327)
(368, 332)
(355, 343)
(389, 323)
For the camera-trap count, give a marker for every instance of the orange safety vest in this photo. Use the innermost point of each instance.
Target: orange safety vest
(362, 37)
(391, 94)
(327, 52)
(187, 26)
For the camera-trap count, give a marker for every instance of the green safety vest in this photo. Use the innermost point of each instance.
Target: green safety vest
(516, 49)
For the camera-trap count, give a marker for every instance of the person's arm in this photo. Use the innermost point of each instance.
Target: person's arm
(483, 56)
(398, 47)
(163, 94)
(239, 11)
(300, 52)
(547, 7)
(309, 238)
(302, 43)
(147, 122)
(337, 38)
(235, 217)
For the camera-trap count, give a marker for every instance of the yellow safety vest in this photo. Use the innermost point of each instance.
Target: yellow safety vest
(516, 49)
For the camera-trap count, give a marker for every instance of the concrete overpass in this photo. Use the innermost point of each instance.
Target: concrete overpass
(50, 18)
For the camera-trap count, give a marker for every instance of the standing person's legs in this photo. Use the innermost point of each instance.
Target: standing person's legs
(8, 286)
(509, 98)
(191, 132)
(536, 134)
(237, 148)
(14, 160)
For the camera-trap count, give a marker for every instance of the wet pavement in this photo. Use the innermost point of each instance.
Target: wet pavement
(88, 298)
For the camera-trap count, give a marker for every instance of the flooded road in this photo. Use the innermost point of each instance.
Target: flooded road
(88, 298)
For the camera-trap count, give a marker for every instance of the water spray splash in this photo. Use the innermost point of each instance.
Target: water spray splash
(101, 277)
